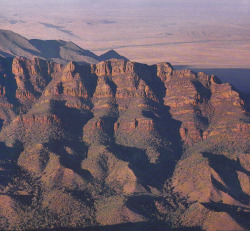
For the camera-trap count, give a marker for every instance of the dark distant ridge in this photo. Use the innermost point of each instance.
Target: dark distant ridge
(13, 44)
(63, 52)
(111, 54)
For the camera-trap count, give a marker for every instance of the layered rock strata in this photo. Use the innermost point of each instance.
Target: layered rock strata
(120, 142)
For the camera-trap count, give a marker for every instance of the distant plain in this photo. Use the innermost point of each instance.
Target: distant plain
(195, 33)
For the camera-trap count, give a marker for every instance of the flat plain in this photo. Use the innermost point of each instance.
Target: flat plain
(195, 33)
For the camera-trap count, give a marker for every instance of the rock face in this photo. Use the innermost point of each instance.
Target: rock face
(121, 142)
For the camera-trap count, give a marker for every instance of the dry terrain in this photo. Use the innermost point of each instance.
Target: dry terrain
(121, 144)
(215, 34)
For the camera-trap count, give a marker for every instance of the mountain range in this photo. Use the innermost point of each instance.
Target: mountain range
(118, 145)
(13, 44)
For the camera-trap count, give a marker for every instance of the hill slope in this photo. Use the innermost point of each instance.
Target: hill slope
(121, 144)
(13, 44)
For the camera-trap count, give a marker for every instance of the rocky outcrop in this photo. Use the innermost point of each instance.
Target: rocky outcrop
(41, 119)
(32, 76)
(142, 124)
(120, 141)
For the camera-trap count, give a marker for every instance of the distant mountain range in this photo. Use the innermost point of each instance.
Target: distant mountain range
(59, 51)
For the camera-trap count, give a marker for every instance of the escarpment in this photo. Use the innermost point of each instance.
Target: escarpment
(120, 142)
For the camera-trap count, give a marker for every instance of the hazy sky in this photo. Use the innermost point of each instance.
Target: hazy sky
(235, 7)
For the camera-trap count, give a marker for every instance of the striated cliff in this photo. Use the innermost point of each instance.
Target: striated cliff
(121, 142)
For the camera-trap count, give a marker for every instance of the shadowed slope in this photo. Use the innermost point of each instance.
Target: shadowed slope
(12, 44)
(112, 54)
